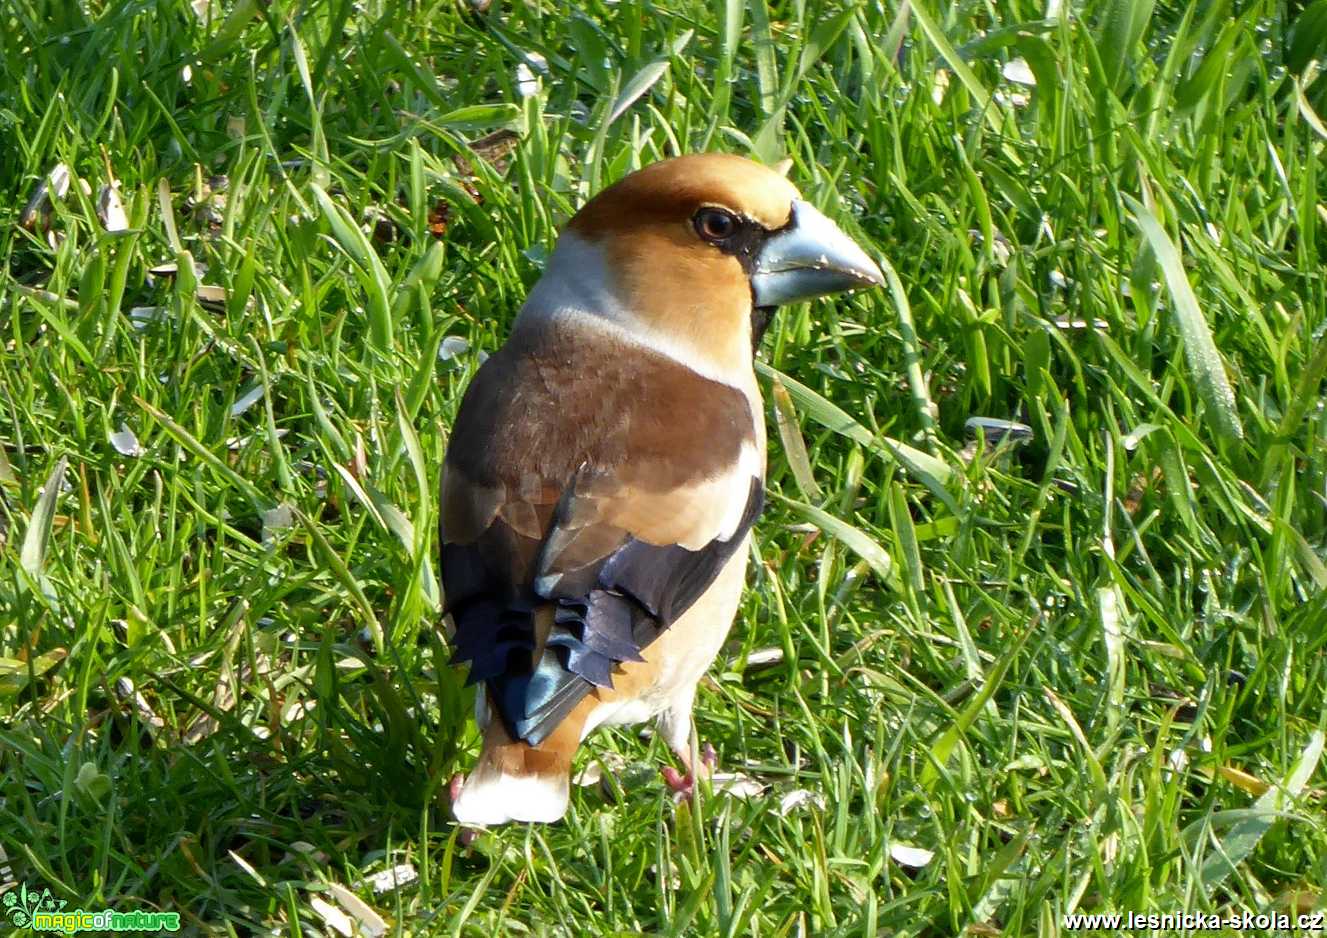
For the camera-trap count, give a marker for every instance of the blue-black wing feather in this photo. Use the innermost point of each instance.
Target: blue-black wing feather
(607, 614)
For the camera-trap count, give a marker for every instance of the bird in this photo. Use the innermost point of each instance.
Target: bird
(607, 463)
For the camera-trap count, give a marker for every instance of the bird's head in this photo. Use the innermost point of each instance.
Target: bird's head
(697, 250)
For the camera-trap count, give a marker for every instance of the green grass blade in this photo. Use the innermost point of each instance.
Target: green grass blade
(192, 444)
(857, 540)
(1122, 28)
(832, 417)
(37, 537)
(1205, 363)
(638, 85)
(943, 747)
(372, 274)
(794, 447)
(1250, 828)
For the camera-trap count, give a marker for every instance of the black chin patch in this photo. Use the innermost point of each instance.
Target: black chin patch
(761, 317)
(745, 244)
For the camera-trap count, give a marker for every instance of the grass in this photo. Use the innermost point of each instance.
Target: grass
(1085, 673)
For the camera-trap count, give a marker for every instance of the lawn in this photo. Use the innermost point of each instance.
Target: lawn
(983, 677)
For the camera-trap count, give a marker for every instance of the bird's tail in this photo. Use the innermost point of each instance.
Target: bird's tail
(514, 781)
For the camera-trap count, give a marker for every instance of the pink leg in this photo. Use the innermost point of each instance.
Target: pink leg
(684, 786)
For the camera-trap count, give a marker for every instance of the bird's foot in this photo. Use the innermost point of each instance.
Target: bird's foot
(684, 786)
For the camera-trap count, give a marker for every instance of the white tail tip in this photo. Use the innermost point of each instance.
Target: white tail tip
(489, 798)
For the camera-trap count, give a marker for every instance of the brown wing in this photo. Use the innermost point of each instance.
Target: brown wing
(615, 501)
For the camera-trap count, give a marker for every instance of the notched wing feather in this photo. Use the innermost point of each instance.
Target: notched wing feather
(610, 607)
(607, 608)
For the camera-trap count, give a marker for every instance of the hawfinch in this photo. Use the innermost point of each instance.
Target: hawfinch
(607, 464)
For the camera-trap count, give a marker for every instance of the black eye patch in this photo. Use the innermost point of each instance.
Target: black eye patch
(735, 235)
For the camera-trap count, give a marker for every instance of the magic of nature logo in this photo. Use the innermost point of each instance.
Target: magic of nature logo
(41, 911)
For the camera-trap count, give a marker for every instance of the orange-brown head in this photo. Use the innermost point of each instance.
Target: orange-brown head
(685, 250)
(663, 197)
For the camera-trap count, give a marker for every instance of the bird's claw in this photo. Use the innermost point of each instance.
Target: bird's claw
(683, 786)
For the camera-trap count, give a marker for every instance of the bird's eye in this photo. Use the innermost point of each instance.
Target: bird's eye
(714, 224)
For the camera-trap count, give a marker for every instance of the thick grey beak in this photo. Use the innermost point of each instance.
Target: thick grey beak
(811, 257)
